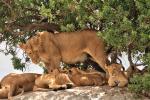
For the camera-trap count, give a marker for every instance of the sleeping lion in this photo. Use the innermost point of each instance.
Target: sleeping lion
(13, 84)
(82, 78)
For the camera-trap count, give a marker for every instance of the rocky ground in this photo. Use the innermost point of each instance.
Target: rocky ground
(82, 93)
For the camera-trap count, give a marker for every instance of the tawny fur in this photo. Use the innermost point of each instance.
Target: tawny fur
(53, 81)
(116, 77)
(31, 48)
(12, 83)
(67, 47)
(82, 78)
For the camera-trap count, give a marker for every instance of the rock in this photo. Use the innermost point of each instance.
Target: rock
(81, 93)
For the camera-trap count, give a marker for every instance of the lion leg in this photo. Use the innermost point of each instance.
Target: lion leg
(99, 56)
(11, 92)
(3, 93)
(56, 65)
(34, 88)
(53, 65)
(20, 91)
(56, 87)
(49, 69)
(40, 89)
(68, 82)
(70, 85)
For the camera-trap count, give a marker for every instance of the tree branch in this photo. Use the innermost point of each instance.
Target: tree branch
(139, 64)
(114, 57)
(6, 3)
(129, 55)
(11, 9)
(129, 72)
(32, 10)
(119, 60)
(51, 27)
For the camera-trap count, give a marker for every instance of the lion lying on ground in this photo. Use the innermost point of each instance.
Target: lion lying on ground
(82, 78)
(117, 77)
(68, 47)
(13, 84)
(53, 81)
(74, 77)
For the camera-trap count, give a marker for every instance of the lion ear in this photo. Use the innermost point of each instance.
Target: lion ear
(22, 45)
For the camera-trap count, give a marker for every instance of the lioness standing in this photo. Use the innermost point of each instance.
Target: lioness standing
(68, 47)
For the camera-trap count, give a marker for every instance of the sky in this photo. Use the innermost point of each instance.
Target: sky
(6, 66)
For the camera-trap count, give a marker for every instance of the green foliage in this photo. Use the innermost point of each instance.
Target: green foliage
(18, 64)
(146, 59)
(140, 83)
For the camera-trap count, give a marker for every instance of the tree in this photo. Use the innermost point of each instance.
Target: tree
(123, 24)
(19, 21)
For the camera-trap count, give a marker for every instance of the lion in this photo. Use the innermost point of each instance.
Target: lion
(67, 47)
(13, 84)
(82, 78)
(116, 77)
(31, 48)
(53, 82)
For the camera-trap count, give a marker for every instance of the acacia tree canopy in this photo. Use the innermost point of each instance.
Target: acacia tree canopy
(123, 24)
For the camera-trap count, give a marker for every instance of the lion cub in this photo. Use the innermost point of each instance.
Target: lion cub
(13, 84)
(116, 76)
(82, 78)
(53, 81)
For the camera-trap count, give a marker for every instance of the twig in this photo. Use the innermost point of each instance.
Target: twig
(139, 64)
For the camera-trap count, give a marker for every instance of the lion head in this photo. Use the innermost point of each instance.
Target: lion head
(73, 71)
(31, 48)
(116, 75)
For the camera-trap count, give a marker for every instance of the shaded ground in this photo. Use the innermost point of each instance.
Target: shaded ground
(82, 93)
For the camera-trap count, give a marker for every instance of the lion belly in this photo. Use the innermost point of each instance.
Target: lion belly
(73, 58)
